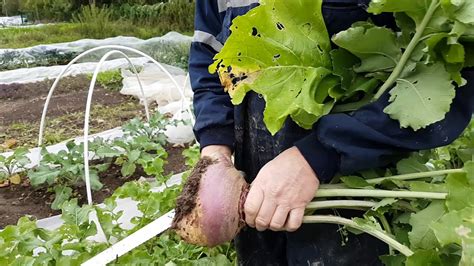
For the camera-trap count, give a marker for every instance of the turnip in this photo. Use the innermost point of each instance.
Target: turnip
(210, 209)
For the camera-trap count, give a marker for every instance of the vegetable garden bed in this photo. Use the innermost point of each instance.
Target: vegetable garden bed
(23, 199)
(21, 106)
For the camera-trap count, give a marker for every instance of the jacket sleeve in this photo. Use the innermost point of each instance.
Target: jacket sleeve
(369, 138)
(212, 106)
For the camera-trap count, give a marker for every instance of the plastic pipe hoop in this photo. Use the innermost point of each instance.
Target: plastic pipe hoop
(88, 109)
(86, 126)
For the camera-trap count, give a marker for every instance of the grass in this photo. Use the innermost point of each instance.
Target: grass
(71, 125)
(13, 38)
(110, 80)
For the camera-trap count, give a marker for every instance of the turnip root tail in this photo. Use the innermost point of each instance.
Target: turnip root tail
(209, 211)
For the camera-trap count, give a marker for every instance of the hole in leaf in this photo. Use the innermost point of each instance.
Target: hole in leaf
(319, 48)
(254, 31)
(280, 26)
(235, 80)
(307, 28)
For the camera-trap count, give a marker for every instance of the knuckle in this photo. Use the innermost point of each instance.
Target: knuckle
(284, 207)
(262, 222)
(276, 225)
(293, 225)
(276, 192)
(292, 228)
(250, 209)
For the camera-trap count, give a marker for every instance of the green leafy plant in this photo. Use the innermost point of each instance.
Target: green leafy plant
(290, 62)
(192, 155)
(153, 130)
(110, 80)
(64, 170)
(93, 20)
(18, 243)
(140, 150)
(14, 163)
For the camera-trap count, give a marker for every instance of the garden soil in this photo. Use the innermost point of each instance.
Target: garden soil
(25, 102)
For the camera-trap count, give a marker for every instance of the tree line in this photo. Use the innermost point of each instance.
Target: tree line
(62, 10)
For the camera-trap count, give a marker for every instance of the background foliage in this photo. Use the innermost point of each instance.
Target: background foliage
(166, 15)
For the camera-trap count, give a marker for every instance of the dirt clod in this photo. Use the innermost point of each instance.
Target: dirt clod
(186, 202)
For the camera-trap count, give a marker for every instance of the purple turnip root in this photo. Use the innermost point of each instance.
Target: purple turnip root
(209, 211)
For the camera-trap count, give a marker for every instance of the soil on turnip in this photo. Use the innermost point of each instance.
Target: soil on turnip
(17, 201)
(186, 202)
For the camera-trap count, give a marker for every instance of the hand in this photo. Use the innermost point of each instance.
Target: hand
(212, 150)
(279, 194)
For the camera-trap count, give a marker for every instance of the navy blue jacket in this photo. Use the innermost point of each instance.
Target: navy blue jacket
(345, 143)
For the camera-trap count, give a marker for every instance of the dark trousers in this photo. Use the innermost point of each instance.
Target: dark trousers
(315, 244)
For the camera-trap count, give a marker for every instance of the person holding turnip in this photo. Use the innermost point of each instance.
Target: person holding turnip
(286, 169)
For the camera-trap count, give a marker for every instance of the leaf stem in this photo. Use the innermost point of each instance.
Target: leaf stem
(339, 204)
(332, 186)
(408, 52)
(350, 107)
(378, 193)
(371, 231)
(375, 181)
(386, 227)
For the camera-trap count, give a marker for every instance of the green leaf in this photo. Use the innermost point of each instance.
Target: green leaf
(454, 226)
(75, 215)
(107, 152)
(393, 260)
(405, 6)
(421, 235)
(413, 164)
(20, 152)
(62, 194)
(133, 155)
(422, 98)
(460, 10)
(376, 47)
(280, 50)
(343, 64)
(387, 202)
(407, 27)
(424, 257)
(446, 48)
(427, 187)
(355, 182)
(155, 167)
(460, 192)
(467, 256)
(469, 168)
(415, 9)
(43, 175)
(95, 181)
(128, 168)
(301, 100)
